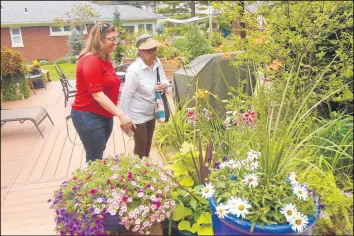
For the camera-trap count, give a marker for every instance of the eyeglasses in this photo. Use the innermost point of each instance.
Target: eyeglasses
(104, 27)
(114, 39)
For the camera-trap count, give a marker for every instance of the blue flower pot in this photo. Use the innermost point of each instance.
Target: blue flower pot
(232, 225)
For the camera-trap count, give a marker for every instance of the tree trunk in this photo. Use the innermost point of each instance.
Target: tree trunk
(192, 8)
(242, 23)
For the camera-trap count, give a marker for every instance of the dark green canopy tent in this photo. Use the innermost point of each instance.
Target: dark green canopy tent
(215, 73)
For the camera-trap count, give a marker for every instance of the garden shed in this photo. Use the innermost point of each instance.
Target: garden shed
(214, 73)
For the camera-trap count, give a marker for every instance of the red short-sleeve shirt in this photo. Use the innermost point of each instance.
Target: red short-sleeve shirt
(92, 76)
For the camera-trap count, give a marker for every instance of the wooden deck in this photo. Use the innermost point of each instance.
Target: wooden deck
(32, 167)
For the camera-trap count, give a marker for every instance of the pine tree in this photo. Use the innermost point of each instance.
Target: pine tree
(75, 42)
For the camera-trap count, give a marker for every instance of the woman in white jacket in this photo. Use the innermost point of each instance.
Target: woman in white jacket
(138, 94)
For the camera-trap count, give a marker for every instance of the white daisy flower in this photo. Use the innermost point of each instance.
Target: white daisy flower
(253, 166)
(223, 165)
(289, 211)
(294, 180)
(239, 207)
(251, 180)
(221, 210)
(253, 155)
(237, 165)
(299, 222)
(300, 191)
(207, 191)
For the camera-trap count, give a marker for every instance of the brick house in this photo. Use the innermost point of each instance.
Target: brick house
(28, 26)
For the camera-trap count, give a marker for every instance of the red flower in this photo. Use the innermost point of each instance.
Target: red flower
(74, 188)
(130, 176)
(93, 191)
(75, 178)
(112, 187)
(148, 185)
(249, 117)
(108, 181)
(124, 199)
(121, 179)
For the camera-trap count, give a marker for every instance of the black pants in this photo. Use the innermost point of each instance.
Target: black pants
(143, 138)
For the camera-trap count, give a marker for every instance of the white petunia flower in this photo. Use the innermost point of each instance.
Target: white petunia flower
(300, 191)
(294, 180)
(221, 210)
(99, 200)
(114, 176)
(207, 191)
(239, 207)
(299, 222)
(251, 180)
(289, 211)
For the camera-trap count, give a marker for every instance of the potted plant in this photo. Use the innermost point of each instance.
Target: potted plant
(243, 200)
(134, 192)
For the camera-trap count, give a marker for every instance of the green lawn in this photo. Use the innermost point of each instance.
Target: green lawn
(68, 69)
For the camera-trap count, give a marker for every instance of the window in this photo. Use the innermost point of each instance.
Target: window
(149, 27)
(130, 29)
(66, 30)
(16, 37)
(141, 27)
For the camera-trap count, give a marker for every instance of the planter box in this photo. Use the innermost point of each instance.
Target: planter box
(232, 225)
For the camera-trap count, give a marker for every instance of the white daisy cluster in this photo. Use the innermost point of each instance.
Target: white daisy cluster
(235, 206)
(299, 190)
(297, 220)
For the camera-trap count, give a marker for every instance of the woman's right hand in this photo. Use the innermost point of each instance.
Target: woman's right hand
(127, 124)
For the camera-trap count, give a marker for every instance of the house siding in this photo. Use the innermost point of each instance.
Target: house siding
(37, 43)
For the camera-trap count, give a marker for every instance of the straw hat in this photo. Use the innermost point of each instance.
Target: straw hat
(146, 41)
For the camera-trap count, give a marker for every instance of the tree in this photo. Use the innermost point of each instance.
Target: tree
(75, 43)
(78, 16)
(118, 53)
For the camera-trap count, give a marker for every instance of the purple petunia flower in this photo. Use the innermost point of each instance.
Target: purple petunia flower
(225, 159)
(217, 165)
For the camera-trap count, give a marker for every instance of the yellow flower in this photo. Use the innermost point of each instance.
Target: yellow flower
(202, 93)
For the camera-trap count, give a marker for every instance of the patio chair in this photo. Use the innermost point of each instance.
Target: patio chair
(34, 114)
(68, 90)
(35, 75)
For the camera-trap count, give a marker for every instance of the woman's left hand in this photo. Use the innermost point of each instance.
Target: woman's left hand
(159, 87)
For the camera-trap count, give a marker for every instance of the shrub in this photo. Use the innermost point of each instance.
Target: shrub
(216, 39)
(11, 62)
(13, 83)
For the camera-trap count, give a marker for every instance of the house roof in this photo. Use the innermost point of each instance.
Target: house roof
(13, 12)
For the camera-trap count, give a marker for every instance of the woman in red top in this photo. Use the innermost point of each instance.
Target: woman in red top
(97, 92)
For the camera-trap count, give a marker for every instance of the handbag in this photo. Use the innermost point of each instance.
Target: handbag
(162, 112)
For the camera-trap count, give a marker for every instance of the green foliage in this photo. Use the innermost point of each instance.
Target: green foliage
(216, 39)
(75, 43)
(337, 217)
(309, 34)
(117, 23)
(15, 88)
(193, 44)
